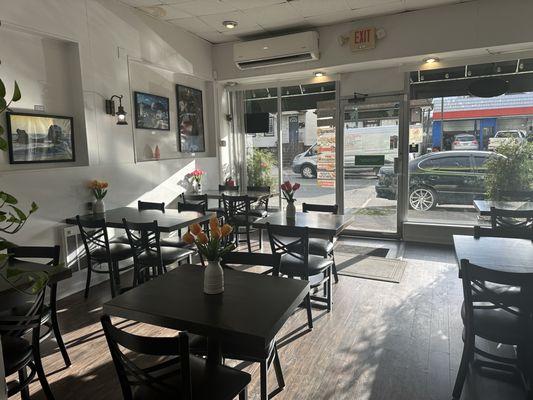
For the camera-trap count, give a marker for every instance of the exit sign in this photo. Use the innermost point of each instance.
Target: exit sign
(363, 39)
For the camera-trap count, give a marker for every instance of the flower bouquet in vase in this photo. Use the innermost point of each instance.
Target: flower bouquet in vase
(212, 245)
(196, 180)
(288, 189)
(99, 189)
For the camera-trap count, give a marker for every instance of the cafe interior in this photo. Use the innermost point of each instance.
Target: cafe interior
(266, 199)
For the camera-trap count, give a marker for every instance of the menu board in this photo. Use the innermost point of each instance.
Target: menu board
(325, 156)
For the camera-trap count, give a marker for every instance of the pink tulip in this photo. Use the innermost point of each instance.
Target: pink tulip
(296, 186)
(288, 186)
(283, 187)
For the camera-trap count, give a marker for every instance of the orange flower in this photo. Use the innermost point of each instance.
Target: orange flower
(104, 185)
(215, 232)
(226, 230)
(213, 223)
(188, 238)
(196, 229)
(202, 238)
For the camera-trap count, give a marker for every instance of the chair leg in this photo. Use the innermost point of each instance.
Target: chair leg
(112, 279)
(24, 391)
(277, 368)
(88, 282)
(55, 325)
(243, 395)
(334, 268)
(328, 292)
(40, 372)
(468, 351)
(260, 239)
(309, 313)
(248, 241)
(264, 379)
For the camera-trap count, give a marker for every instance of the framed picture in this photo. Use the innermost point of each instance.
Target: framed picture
(151, 111)
(39, 138)
(190, 120)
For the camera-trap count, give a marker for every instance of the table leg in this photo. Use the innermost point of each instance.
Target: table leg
(214, 352)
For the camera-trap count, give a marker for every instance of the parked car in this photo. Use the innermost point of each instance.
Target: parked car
(448, 177)
(465, 141)
(501, 137)
(367, 148)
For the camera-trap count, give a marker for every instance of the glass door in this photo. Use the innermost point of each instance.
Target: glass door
(371, 141)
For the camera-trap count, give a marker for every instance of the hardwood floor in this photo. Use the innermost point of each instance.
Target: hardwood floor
(382, 341)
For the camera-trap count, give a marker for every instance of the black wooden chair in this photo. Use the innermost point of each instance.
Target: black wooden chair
(508, 223)
(149, 205)
(237, 214)
(150, 259)
(49, 312)
(180, 376)
(106, 255)
(220, 209)
(319, 246)
(20, 354)
(489, 317)
(194, 199)
(260, 207)
(292, 244)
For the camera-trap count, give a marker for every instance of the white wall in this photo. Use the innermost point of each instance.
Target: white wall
(450, 30)
(107, 34)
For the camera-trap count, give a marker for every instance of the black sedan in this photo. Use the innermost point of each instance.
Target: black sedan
(449, 177)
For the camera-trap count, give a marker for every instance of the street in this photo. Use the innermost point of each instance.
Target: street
(374, 214)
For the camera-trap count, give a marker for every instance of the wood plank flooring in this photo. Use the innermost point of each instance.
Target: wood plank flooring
(382, 341)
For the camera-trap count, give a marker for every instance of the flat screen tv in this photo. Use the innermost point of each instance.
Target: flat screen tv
(257, 122)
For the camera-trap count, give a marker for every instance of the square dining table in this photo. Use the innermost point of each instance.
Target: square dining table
(484, 206)
(250, 312)
(169, 221)
(318, 223)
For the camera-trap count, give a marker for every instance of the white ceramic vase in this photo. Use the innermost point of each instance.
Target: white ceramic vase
(290, 210)
(98, 206)
(213, 278)
(197, 187)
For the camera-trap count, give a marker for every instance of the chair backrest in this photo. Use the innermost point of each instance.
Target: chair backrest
(148, 205)
(252, 259)
(131, 375)
(508, 223)
(144, 237)
(222, 188)
(18, 324)
(325, 208)
(235, 206)
(198, 207)
(290, 240)
(476, 294)
(195, 199)
(94, 235)
(262, 202)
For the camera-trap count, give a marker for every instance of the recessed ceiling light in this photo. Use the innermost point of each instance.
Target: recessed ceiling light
(319, 74)
(230, 24)
(431, 60)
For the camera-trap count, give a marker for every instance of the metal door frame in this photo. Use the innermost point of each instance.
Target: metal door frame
(403, 154)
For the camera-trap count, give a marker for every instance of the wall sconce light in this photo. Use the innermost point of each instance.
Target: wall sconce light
(120, 113)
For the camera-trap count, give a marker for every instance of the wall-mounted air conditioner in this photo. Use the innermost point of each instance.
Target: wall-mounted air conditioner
(279, 50)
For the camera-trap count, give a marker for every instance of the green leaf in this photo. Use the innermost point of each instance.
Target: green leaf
(34, 207)
(20, 214)
(8, 198)
(3, 144)
(16, 92)
(2, 89)
(4, 244)
(3, 103)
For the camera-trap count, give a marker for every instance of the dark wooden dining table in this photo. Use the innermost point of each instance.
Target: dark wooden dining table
(484, 206)
(12, 286)
(169, 221)
(318, 223)
(250, 312)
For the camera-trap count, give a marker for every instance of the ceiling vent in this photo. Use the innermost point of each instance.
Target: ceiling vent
(278, 50)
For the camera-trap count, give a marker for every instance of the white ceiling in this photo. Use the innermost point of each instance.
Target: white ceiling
(266, 17)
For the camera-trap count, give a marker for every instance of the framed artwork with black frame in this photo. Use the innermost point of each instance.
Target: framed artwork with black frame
(190, 120)
(40, 138)
(151, 111)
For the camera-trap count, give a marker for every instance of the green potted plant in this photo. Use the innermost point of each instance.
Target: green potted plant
(259, 165)
(512, 174)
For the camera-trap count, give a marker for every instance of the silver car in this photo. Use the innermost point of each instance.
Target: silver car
(465, 141)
